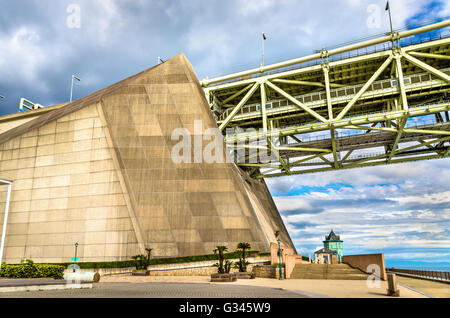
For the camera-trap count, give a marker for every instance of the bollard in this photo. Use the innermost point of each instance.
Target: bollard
(83, 277)
(392, 285)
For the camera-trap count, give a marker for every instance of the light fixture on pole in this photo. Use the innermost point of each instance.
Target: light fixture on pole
(277, 235)
(75, 259)
(5, 218)
(71, 87)
(388, 9)
(1, 96)
(262, 42)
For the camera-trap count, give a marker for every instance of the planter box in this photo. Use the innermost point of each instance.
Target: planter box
(223, 277)
(245, 275)
(140, 273)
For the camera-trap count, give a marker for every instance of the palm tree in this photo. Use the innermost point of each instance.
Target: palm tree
(149, 253)
(244, 246)
(242, 262)
(220, 249)
(139, 261)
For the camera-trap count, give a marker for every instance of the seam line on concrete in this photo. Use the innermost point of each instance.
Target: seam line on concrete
(417, 291)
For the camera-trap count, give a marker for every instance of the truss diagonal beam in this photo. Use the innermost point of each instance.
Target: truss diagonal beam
(447, 152)
(246, 88)
(427, 67)
(295, 101)
(430, 55)
(238, 106)
(397, 139)
(365, 87)
(277, 154)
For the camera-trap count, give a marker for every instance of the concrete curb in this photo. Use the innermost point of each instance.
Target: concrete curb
(44, 287)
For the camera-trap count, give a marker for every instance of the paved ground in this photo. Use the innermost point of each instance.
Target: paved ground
(201, 287)
(161, 290)
(6, 282)
(436, 289)
(311, 287)
(332, 288)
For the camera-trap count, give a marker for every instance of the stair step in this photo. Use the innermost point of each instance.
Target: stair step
(327, 271)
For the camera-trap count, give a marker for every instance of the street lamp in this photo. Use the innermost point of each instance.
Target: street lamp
(277, 235)
(1, 96)
(5, 218)
(262, 42)
(71, 88)
(75, 258)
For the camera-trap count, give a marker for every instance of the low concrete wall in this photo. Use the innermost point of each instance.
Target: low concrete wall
(362, 262)
(194, 271)
(204, 268)
(104, 271)
(290, 261)
(274, 252)
(268, 271)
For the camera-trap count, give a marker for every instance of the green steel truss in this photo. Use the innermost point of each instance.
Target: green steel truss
(379, 108)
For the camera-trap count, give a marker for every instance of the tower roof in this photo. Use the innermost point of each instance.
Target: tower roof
(332, 237)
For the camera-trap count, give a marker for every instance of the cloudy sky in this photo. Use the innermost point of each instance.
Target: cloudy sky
(401, 210)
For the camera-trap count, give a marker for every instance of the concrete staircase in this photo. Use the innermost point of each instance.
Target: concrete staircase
(327, 271)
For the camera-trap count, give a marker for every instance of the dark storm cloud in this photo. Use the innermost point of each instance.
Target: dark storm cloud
(118, 38)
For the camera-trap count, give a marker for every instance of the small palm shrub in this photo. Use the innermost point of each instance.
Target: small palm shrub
(221, 267)
(242, 263)
(140, 261)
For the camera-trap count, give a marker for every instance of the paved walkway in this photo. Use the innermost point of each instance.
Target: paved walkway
(161, 290)
(7, 282)
(433, 288)
(310, 287)
(200, 286)
(332, 288)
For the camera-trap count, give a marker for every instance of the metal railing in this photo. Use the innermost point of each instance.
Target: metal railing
(411, 37)
(440, 275)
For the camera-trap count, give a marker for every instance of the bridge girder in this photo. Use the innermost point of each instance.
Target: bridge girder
(378, 93)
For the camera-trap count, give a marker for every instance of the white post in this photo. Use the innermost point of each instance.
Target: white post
(262, 41)
(71, 89)
(71, 86)
(5, 218)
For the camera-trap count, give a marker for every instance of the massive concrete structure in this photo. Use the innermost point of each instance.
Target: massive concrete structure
(98, 171)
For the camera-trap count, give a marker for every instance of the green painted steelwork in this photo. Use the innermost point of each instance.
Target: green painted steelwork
(380, 94)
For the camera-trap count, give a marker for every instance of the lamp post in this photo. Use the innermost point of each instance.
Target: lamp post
(71, 87)
(277, 235)
(388, 8)
(1, 96)
(5, 218)
(75, 259)
(262, 42)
